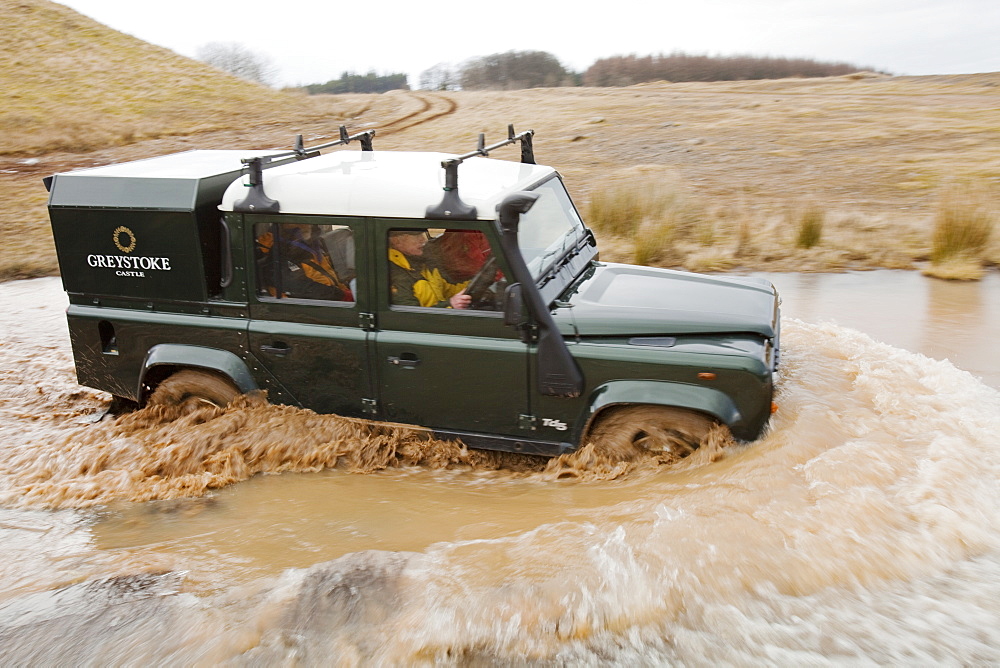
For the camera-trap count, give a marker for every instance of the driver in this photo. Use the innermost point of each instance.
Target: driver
(414, 280)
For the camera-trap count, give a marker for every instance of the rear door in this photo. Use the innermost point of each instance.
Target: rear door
(307, 309)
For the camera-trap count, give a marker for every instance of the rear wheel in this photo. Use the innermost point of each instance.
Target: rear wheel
(191, 387)
(624, 432)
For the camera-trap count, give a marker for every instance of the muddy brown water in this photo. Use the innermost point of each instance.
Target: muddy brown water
(861, 529)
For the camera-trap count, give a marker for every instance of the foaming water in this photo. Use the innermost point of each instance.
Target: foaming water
(861, 529)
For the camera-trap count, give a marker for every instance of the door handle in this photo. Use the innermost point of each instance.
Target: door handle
(406, 360)
(279, 350)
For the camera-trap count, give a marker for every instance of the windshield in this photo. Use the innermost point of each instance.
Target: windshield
(549, 228)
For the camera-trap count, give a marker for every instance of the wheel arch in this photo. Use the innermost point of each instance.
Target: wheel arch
(164, 359)
(711, 402)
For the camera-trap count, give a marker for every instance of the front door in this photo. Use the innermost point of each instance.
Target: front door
(445, 360)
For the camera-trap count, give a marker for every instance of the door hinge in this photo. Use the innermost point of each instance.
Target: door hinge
(529, 422)
(369, 406)
(366, 320)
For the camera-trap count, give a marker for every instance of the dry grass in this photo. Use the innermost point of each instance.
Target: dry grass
(963, 228)
(26, 247)
(963, 224)
(696, 175)
(637, 196)
(810, 225)
(657, 220)
(72, 84)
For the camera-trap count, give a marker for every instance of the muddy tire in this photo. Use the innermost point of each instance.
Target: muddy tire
(626, 432)
(192, 388)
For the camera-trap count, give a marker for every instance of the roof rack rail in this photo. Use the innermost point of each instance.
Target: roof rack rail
(256, 200)
(451, 205)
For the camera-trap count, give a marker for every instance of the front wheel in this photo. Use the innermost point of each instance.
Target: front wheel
(625, 432)
(190, 388)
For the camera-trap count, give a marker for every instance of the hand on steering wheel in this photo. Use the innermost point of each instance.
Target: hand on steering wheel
(484, 278)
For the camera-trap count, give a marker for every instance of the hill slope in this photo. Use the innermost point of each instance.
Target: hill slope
(71, 83)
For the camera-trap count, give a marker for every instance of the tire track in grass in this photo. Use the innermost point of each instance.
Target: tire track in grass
(432, 108)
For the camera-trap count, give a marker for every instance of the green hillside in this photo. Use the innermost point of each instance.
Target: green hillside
(73, 84)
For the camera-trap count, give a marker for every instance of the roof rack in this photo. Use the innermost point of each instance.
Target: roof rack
(451, 205)
(256, 200)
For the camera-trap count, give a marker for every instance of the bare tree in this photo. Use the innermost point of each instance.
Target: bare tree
(238, 59)
(442, 76)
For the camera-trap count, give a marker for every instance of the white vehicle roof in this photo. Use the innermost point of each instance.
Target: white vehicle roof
(390, 184)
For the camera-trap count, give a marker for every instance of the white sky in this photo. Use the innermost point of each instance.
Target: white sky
(313, 41)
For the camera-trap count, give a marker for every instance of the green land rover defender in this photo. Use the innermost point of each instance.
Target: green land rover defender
(458, 293)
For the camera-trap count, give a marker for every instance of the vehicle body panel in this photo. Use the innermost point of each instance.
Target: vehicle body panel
(620, 299)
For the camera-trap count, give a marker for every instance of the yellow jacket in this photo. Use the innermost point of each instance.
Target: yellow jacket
(423, 286)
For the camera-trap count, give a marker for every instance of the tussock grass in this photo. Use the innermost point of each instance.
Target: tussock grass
(963, 228)
(668, 226)
(652, 243)
(810, 226)
(639, 196)
(963, 224)
(648, 206)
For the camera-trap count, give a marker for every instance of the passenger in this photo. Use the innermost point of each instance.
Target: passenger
(460, 253)
(414, 280)
(307, 271)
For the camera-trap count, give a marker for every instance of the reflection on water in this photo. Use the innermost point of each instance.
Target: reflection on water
(957, 321)
(860, 529)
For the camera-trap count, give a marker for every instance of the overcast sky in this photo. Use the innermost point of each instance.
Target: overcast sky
(313, 41)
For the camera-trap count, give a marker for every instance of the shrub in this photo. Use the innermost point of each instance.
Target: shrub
(963, 224)
(810, 227)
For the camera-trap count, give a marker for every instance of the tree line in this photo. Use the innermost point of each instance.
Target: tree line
(534, 69)
(678, 67)
(371, 82)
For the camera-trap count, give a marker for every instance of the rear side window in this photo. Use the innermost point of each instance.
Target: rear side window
(305, 261)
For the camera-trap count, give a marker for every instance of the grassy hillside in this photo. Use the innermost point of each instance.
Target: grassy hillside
(77, 93)
(73, 84)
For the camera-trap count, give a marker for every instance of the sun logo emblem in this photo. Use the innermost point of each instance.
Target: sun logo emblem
(129, 237)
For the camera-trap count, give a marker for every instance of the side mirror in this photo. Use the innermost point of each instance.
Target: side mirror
(513, 305)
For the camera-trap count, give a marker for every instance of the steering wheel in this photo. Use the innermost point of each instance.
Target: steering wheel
(481, 282)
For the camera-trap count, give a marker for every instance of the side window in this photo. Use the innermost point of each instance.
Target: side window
(305, 261)
(442, 268)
